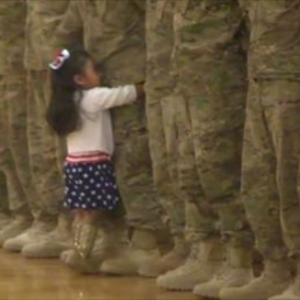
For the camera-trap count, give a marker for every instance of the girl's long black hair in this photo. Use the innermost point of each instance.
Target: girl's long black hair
(62, 113)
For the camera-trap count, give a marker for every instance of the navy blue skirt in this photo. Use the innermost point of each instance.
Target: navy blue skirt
(91, 185)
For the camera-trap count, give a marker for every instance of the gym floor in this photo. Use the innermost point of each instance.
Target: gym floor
(23, 279)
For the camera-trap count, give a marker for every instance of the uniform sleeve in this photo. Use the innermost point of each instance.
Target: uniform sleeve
(105, 98)
(70, 30)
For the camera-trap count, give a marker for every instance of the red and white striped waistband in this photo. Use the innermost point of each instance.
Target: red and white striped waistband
(92, 157)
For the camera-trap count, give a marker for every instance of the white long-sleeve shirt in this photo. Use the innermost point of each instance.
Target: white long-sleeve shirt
(95, 132)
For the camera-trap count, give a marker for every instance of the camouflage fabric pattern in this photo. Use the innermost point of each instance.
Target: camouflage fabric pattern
(44, 168)
(160, 111)
(45, 151)
(271, 149)
(185, 217)
(15, 90)
(42, 20)
(273, 50)
(14, 154)
(210, 71)
(15, 191)
(119, 37)
(12, 40)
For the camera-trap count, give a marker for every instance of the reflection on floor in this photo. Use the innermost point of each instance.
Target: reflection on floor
(49, 279)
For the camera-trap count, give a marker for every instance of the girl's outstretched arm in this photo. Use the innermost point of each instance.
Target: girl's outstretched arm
(106, 98)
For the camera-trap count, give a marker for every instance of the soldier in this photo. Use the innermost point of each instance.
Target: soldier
(42, 18)
(113, 33)
(162, 133)
(14, 154)
(271, 149)
(210, 73)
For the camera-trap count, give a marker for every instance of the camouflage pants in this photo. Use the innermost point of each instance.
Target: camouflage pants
(271, 165)
(9, 165)
(211, 89)
(133, 168)
(161, 115)
(162, 124)
(162, 140)
(185, 214)
(45, 166)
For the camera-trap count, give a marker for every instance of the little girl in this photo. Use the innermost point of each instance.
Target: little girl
(79, 111)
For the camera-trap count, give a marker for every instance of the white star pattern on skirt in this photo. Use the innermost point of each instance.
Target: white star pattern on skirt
(91, 186)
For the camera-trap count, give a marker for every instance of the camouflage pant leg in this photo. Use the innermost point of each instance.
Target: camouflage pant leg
(259, 187)
(17, 198)
(42, 149)
(133, 168)
(218, 149)
(188, 213)
(172, 153)
(281, 102)
(201, 221)
(214, 103)
(15, 93)
(184, 212)
(161, 112)
(162, 141)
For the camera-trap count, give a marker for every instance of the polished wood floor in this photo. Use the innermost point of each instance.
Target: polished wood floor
(23, 279)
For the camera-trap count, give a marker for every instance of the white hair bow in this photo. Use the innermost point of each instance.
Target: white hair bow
(61, 57)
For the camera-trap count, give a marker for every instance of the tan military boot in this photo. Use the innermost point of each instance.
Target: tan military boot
(128, 261)
(204, 261)
(236, 272)
(16, 227)
(35, 233)
(273, 281)
(172, 260)
(293, 290)
(54, 243)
